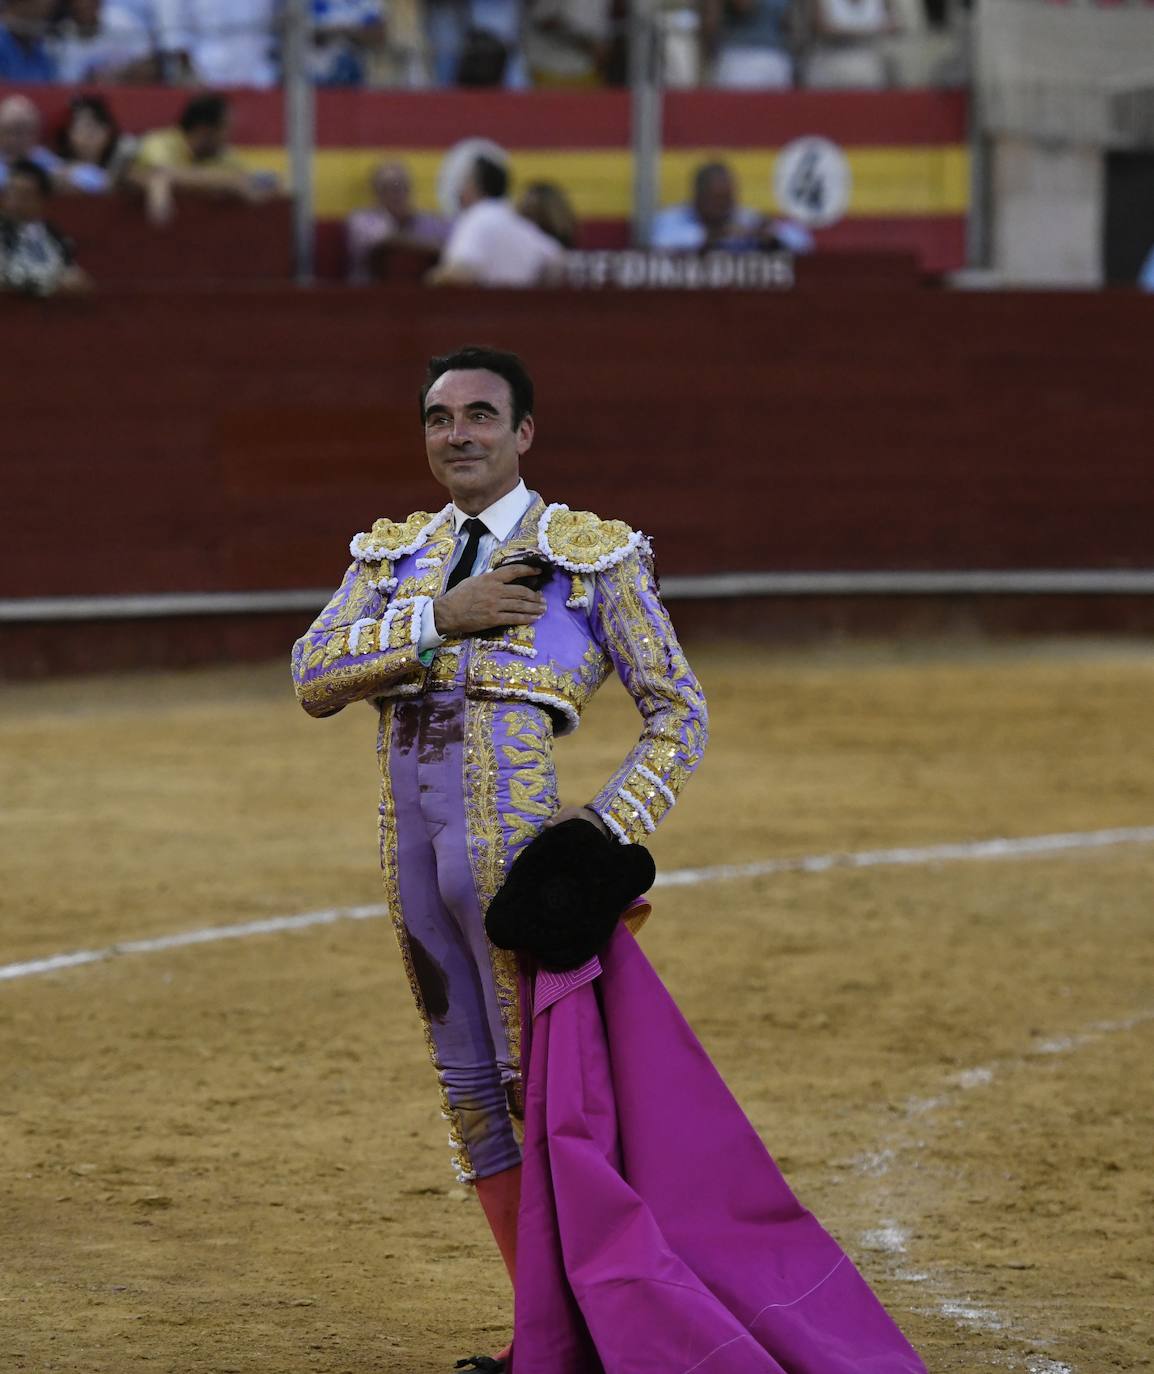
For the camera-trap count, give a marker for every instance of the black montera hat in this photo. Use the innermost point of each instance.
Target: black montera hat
(565, 892)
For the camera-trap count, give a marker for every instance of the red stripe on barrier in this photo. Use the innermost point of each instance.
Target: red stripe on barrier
(436, 119)
(742, 119)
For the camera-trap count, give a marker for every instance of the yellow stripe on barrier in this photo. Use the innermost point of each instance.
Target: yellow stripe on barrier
(893, 181)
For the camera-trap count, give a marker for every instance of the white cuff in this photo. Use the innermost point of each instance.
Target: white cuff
(430, 637)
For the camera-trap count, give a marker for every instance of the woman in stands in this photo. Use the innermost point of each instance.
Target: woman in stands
(94, 153)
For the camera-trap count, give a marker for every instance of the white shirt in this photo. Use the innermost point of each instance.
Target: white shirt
(501, 519)
(853, 18)
(229, 42)
(499, 246)
(121, 38)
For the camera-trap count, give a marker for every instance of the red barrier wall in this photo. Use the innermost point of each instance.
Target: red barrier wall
(194, 441)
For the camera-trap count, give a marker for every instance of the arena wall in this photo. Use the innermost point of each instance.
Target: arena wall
(192, 441)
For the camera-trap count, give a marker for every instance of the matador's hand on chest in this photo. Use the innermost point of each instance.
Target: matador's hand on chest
(488, 599)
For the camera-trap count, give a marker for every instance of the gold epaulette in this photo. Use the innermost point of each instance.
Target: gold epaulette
(582, 542)
(390, 539)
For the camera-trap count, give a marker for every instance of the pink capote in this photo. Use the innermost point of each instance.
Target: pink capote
(656, 1235)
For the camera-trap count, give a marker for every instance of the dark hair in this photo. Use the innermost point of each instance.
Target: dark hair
(25, 167)
(492, 178)
(547, 205)
(706, 172)
(97, 107)
(474, 359)
(204, 112)
(483, 60)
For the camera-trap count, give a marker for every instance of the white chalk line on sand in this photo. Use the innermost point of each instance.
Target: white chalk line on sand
(1023, 847)
(891, 1238)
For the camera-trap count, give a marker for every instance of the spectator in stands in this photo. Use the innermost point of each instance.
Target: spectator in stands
(195, 158)
(844, 50)
(567, 42)
(714, 219)
(100, 40)
(24, 52)
(393, 222)
(94, 154)
(399, 59)
(547, 206)
(20, 130)
(346, 33)
(491, 244)
(750, 42)
(218, 42)
(35, 260)
(484, 60)
(448, 24)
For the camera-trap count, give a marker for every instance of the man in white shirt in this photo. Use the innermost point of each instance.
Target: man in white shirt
(491, 244)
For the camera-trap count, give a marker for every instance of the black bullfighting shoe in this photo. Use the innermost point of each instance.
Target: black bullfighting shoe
(485, 1363)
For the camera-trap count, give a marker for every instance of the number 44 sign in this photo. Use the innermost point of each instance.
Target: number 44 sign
(812, 182)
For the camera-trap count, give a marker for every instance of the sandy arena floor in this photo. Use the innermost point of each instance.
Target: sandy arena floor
(226, 1156)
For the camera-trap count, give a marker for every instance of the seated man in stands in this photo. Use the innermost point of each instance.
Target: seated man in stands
(392, 223)
(714, 220)
(35, 260)
(195, 158)
(491, 244)
(24, 54)
(20, 129)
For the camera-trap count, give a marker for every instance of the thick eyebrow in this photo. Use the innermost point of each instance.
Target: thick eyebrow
(436, 409)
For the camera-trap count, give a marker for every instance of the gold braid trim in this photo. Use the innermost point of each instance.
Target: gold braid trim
(488, 859)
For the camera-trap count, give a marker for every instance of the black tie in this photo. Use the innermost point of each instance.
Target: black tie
(464, 566)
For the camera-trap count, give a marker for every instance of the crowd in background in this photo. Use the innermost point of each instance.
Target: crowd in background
(484, 236)
(746, 44)
(88, 154)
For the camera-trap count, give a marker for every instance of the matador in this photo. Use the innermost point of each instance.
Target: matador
(480, 632)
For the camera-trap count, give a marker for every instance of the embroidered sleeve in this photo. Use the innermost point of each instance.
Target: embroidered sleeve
(635, 630)
(360, 643)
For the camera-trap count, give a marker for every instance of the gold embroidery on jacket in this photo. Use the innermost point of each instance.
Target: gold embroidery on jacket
(532, 786)
(579, 536)
(488, 858)
(666, 694)
(343, 683)
(332, 640)
(387, 536)
(492, 674)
